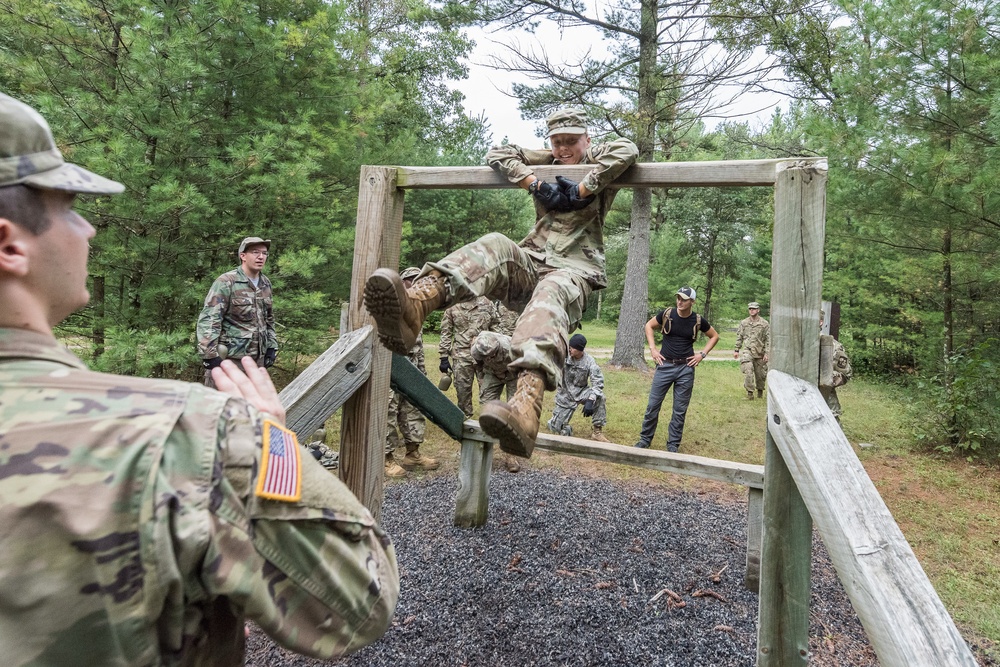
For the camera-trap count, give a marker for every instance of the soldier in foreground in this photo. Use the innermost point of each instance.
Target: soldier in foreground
(547, 277)
(238, 317)
(582, 384)
(754, 336)
(143, 521)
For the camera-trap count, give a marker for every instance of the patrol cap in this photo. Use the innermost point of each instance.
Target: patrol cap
(250, 240)
(409, 272)
(486, 344)
(567, 121)
(753, 304)
(687, 293)
(29, 156)
(578, 342)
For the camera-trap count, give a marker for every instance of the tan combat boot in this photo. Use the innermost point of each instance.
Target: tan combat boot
(515, 424)
(399, 312)
(749, 395)
(392, 468)
(414, 459)
(760, 393)
(598, 435)
(510, 463)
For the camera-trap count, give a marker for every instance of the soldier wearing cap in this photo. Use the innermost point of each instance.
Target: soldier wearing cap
(143, 521)
(406, 418)
(840, 374)
(547, 277)
(238, 318)
(582, 384)
(754, 336)
(675, 364)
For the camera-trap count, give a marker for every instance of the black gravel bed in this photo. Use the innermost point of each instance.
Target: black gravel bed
(579, 571)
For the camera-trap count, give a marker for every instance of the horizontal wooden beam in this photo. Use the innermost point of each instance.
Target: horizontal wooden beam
(905, 620)
(745, 474)
(328, 382)
(646, 174)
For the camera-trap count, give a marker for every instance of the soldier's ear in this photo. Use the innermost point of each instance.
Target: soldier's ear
(13, 249)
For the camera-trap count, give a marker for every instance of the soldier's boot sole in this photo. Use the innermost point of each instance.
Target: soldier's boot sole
(386, 299)
(502, 423)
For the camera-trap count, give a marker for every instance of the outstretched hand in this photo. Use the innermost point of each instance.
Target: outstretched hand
(253, 385)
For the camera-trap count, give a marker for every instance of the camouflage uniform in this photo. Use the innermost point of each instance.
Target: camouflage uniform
(460, 325)
(133, 531)
(492, 356)
(755, 339)
(411, 423)
(507, 320)
(842, 372)
(549, 275)
(582, 380)
(239, 316)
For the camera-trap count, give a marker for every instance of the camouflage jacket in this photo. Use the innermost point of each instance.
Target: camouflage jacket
(842, 371)
(491, 352)
(134, 532)
(571, 239)
(506, 320)
(755, 336)
(238, 315)
(581, 379)
(461, 323)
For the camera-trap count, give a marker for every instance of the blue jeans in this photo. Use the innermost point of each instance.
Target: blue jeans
(681, 376)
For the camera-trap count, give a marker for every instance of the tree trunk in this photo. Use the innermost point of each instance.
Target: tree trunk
(98, 330)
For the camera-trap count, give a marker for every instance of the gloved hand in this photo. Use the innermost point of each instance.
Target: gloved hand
(445, 365)
(588, 407)
(571, 189)
(270, 354)
(550, 197)
(214, 362)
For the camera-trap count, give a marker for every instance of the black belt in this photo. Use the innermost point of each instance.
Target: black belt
(675, 362)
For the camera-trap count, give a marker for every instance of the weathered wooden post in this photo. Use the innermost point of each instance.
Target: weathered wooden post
(796, 287)
(376, 244)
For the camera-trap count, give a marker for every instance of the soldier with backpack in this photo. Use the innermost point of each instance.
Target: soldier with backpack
(675, 362)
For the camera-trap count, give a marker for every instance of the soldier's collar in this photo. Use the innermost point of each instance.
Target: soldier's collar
(25, 344)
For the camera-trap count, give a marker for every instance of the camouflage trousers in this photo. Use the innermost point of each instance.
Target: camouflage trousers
(408, 420)
(754, 370)
(832, 401)
(210, 383)
(463, 373)
(490, 387)
(551, 301)
(559, 424)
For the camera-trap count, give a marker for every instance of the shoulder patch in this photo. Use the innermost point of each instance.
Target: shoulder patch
(280, 476)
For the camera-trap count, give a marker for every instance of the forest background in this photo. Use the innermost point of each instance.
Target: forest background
(226, 119)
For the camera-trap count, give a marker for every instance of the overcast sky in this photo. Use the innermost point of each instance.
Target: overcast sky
(487, 90)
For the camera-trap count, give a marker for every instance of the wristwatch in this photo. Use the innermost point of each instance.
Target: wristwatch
(703, 355)
(534, 186)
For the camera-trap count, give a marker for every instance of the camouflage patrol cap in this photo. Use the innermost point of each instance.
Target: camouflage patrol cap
(409, 272)
(753, 304)
(567, 121)
(29, 156)
(250, 240)
(485, 345)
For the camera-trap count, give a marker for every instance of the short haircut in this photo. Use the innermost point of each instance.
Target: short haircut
(25, 207)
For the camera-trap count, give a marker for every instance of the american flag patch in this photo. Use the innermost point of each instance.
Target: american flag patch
(280, 475)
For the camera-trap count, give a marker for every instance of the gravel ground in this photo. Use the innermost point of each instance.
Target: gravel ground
(571, 571)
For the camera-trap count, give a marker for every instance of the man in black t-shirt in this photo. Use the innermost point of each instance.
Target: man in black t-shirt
(675, 362)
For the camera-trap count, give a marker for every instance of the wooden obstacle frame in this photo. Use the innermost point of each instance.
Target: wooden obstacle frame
(810, 474)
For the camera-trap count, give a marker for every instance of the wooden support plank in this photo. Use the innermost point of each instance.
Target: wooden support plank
(755, 530)
(796, 287)
(328, 382)
(905, 620)
(647, 174)
(473, 498)
(745, 474)
(426, 397)
(376, 244)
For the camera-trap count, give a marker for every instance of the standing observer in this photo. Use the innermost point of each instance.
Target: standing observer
(754, 336)
(144, 521)
(238, 313)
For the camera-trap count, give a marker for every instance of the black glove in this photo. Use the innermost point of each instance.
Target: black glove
(270, 354)
(571, 189)
(214, 362)
(445, 365)
(588, 407)
(549, 196)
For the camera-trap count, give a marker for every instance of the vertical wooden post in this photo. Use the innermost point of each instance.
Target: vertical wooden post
(473, 497)
(796, 288)
(376, 244)
(755, 527)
